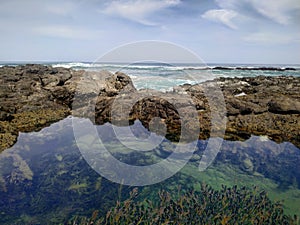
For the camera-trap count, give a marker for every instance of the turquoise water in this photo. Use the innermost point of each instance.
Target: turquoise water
(44, 179)
(164, 77)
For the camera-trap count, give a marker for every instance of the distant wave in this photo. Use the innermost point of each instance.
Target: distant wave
(81, 65)
(255, 68)
(73, 65)
(163, 76)
(160, 66)
(165, 67)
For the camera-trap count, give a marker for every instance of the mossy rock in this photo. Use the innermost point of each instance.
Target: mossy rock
(28, 122)
(7, 140)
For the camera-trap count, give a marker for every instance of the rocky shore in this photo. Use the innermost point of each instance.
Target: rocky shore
(34, 96)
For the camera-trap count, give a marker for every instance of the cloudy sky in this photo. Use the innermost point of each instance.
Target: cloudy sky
(221, 31)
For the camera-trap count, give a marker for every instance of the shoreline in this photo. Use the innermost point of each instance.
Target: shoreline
(34, 96)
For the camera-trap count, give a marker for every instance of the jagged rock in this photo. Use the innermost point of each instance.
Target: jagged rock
(34, 96)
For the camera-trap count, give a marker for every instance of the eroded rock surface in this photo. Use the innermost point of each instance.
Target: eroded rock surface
(34, 96)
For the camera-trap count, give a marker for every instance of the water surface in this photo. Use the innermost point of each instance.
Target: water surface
(44, 179)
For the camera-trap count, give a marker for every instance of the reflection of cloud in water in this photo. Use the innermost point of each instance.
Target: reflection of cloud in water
(20, 170)
(47, 165)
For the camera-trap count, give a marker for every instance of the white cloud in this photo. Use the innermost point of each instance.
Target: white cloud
(223, 16)
(138, 10)
(276, 10)
(67, 32)
(279, 11)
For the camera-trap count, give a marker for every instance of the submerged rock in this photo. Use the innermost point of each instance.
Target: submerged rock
(247, 165)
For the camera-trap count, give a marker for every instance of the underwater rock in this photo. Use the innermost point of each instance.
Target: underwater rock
(247, 165)
(195, 158)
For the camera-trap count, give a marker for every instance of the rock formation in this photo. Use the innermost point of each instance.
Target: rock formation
(34, 96)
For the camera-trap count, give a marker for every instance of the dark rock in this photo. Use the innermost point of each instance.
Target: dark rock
(290, 68)
(265, 68)
(222, 68)
(284, 105)
(34, 96)
(5, 116)
(258, 105)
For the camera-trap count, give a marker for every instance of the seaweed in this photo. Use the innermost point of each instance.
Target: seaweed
(45, 180)
(230, 205)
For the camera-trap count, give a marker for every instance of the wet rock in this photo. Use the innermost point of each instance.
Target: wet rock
(284, 105)
(34, 96)
(269, 106)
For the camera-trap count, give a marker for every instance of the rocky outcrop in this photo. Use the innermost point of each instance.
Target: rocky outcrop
(30, 99)
(253, 106)
(34, 96)
(262, 106)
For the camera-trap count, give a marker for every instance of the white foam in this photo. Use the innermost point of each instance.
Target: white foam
(73, 64)
(241, 94)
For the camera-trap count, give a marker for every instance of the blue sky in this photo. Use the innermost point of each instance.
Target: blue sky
(221, 31)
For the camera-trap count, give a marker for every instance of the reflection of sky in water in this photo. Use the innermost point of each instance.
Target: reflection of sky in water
(43, 174)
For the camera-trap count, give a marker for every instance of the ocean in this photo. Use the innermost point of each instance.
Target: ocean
(164, 77)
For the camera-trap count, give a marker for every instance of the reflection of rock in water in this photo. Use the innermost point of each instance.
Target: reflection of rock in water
(63, 183)
(34, 96)
(260, 155)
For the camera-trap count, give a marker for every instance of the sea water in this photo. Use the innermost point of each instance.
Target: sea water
(44, 178)
(164, 76)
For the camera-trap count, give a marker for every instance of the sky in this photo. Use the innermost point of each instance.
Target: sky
(218, 31)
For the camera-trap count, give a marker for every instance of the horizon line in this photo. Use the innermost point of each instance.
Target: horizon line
(122, 62)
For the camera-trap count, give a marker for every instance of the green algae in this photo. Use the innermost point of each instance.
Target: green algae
(226, 174)
(59, 157)
(78, 186)
(229, 205)
(64, 186)
(28, 121)
(98, 184)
